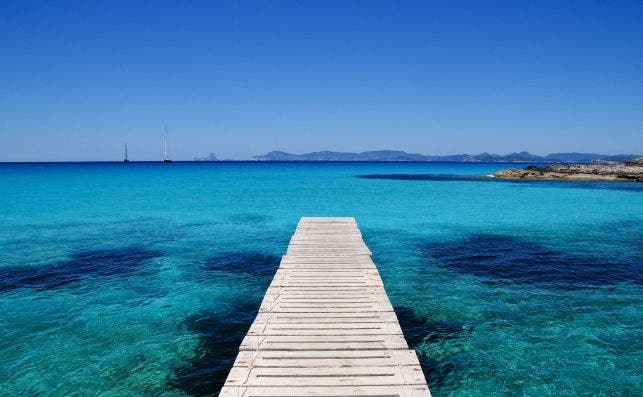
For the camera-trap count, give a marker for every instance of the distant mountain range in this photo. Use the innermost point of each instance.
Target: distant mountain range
(398, 155)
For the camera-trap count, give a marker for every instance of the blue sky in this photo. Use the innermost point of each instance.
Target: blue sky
(78, 79)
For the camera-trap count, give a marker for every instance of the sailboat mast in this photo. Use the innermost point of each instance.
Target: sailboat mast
(125, 152)
(166, 158)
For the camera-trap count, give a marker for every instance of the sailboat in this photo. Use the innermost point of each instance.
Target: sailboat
(166, 159)
(125, 159)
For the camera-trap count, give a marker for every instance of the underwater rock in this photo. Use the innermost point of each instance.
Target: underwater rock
(219, 339)
(513, 260)
(81, 265)
(428, 177)
(418, 330)
(253, 263)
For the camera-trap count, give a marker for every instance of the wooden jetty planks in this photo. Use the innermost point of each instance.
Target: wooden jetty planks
(326, 326)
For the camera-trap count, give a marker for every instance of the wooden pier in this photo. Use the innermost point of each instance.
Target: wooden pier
(326, 326)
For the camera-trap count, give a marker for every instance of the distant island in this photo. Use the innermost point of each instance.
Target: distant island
(398, 155)
(606, 171)
(209, 157)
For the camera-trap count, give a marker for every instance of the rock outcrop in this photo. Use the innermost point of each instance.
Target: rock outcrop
(628, 171)
(636, 162)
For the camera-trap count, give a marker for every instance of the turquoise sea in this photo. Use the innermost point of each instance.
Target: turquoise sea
(142, 278)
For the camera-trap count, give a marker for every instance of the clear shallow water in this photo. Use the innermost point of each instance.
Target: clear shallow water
(143, 278)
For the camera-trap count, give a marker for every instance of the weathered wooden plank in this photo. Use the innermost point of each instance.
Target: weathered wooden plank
(329, 273)
(357, 317)
(327, 290)
(339, 391)
(312, 307)
(353, 259)
(325, 376)
(323, 343)
(338, 295)
(325, 329)
(327, 283)
(319, 359)
(326, 326)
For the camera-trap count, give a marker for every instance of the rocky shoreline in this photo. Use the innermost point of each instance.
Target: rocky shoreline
(628, 171)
